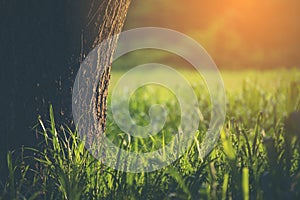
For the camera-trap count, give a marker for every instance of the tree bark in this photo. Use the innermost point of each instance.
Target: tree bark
(106, 20)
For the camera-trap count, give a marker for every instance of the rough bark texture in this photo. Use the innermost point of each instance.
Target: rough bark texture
(106, 21)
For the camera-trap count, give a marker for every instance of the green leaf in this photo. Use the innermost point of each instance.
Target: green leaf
(228, 148)
(245, 183)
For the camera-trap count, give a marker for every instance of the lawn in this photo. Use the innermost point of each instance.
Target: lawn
(256, 157)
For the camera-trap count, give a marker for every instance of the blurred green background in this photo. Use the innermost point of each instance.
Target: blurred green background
(237, 34)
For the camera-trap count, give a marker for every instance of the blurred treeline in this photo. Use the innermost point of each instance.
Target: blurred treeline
(237, 34)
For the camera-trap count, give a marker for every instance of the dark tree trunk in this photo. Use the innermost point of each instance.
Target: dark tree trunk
(41, 46)
(109, 22)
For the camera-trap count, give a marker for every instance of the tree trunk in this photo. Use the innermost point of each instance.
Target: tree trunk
(105, 21)
(42, 45)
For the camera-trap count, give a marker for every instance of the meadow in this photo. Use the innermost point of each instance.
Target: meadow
(256, 157)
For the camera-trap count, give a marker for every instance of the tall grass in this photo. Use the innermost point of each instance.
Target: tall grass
(257, 156)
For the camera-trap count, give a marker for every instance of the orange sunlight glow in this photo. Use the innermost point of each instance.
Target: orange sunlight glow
(235, 32)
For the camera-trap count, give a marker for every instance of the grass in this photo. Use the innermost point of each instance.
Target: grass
(257, 156)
